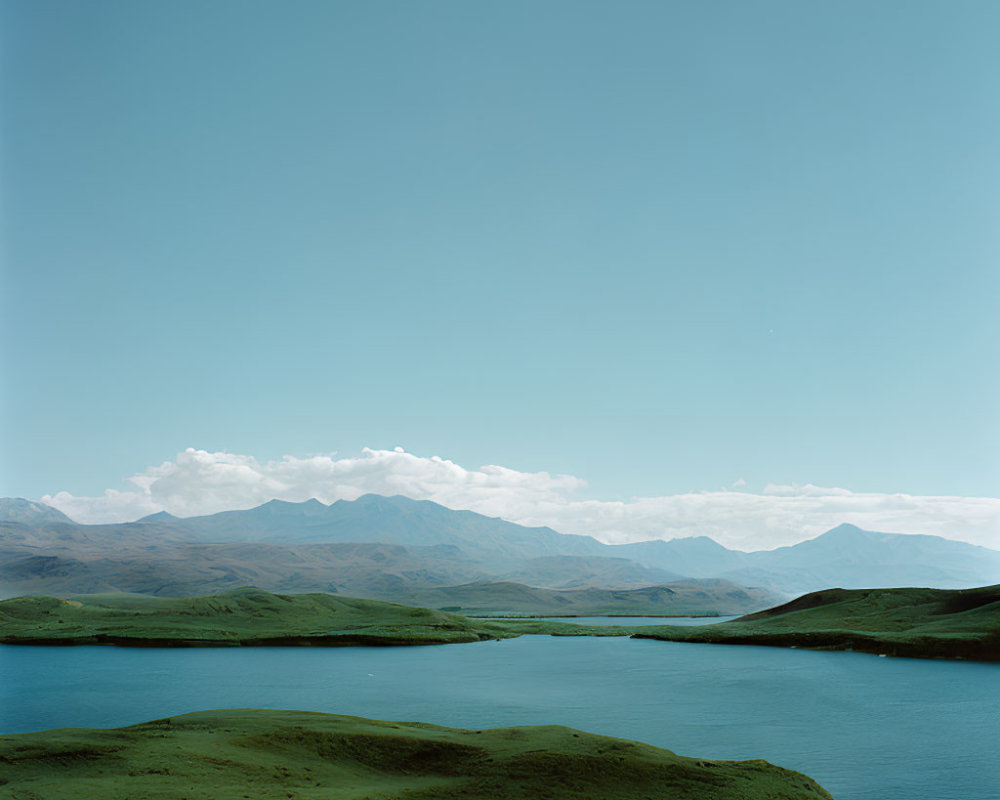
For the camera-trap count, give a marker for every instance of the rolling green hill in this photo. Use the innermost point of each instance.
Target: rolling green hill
(219, 755)
(918, 623)
(245, 617)
(252, 617)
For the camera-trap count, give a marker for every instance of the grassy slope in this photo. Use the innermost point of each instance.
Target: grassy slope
(217, 755)
(919, 623)
(247, 617)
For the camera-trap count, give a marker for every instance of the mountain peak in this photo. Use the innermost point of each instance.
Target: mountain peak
(847, 527)
(400, 503)
(845, 531)
(17, 509)
(371, 498)
(159, 516)
(310, 506)
(702, 544)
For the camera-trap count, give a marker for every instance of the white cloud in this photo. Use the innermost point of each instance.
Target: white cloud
(199, 482)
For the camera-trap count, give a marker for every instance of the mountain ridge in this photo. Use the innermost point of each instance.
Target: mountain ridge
(18, 509)
(484, 547)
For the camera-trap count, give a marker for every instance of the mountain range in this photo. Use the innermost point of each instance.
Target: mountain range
(411, 551)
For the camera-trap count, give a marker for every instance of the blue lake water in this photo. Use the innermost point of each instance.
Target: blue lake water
(631, 622)
(864, 727)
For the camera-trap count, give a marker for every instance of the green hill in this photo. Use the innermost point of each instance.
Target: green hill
(218, 755)
(244, 617)
(256, 617)
(252, 617)
(917, 623)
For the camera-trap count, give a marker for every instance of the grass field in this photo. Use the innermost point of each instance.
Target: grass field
(248, 617)
(916, 623)
(218, 755)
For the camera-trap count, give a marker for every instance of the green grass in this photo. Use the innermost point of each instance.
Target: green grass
(920, 623)
(218, 755)
(917, 623)
(243, 617)
(251, 617)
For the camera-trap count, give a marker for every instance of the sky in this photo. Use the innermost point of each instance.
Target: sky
(648, 250)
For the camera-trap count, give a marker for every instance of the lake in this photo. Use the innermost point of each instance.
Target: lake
(865, 727)
(632, 622)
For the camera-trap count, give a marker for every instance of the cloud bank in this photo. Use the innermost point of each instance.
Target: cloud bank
(199, 482)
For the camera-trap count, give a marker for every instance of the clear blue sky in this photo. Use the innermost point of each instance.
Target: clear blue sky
(658, 245)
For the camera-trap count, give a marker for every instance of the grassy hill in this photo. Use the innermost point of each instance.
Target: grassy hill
(218, 755)
(252, 617)
(919, 623)
(245, 617)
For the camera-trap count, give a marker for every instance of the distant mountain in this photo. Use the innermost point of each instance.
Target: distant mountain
(17, 509)
(697, 556)
(186, 569)
(846, 557)
(58, 533)
(290, 547)
(572, 572)
(297, 547)
(851, 558)
(161, 516)
(681, 598)
(397, 519)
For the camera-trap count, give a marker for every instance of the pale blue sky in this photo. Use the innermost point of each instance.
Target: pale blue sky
(657, 245)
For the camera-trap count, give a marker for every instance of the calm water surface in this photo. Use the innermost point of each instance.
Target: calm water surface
(630, 622)
(864, 727)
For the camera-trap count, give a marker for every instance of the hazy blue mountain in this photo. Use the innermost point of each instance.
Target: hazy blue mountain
(572, 572)
(679, 598)
(696, 556)
(846, 557)
(400, 520)
(186, 569)
(438, 544)
(61, 534)
(371, 547)
(851, 558)
(161, 516)
(850, 546)
(17, 509)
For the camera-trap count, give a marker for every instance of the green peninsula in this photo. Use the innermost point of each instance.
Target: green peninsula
(225, 755)
(914, 623)
(250, 617)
